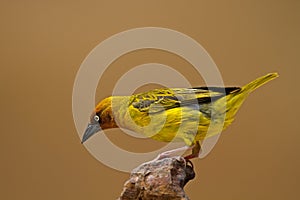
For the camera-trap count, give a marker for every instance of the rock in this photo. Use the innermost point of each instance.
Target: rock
(159, 180)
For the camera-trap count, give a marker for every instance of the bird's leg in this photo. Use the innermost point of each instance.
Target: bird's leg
(173, 152)
(195, 151)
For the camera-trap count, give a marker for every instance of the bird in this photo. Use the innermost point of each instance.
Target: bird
(188, 115)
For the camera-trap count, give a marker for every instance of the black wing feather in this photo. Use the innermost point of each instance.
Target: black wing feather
(163, 99)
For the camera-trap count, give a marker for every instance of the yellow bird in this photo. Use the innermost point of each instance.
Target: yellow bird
(177, 114)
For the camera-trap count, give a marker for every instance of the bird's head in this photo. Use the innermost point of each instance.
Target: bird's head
(101, 118)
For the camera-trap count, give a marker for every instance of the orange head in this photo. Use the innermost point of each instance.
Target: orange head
(101, 118)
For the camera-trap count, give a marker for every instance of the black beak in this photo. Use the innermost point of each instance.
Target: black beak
(90, 130)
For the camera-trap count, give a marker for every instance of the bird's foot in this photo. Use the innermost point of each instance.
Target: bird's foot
(191, 156)
(196, 150)
(186, 162)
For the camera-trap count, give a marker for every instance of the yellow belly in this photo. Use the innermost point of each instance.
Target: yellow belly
(178, 124)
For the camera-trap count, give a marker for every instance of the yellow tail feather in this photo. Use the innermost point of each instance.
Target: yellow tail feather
(235, 100)
(258, 82)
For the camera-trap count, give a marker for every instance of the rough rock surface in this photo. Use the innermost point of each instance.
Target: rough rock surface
(159, 179)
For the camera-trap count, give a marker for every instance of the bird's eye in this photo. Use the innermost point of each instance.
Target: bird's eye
(96, 118)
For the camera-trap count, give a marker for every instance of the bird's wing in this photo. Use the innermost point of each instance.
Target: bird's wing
(163, 99)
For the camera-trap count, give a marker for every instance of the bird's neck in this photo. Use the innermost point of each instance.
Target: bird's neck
(119, 108)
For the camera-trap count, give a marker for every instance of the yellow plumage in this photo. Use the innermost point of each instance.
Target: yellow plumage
(178, 114)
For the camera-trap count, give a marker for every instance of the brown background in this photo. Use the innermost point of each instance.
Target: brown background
(44, 42)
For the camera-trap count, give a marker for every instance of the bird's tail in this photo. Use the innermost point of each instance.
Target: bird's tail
(236, 99)
(257, 83)
(230, 104)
